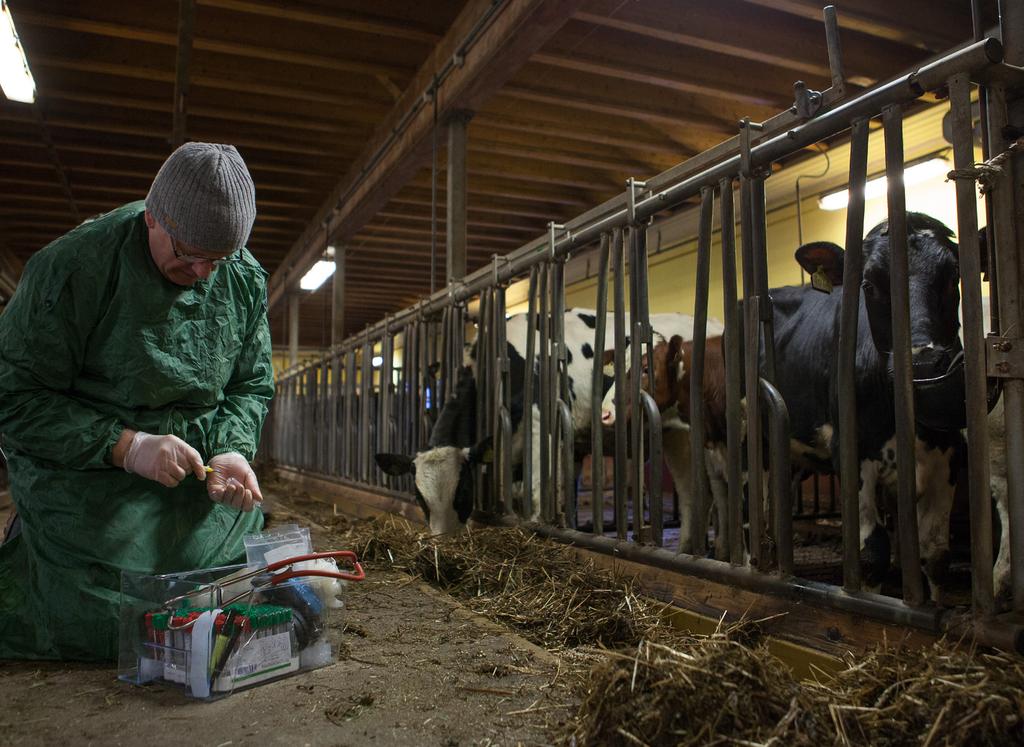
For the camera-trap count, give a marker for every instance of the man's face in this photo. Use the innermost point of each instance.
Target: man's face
(165, 251)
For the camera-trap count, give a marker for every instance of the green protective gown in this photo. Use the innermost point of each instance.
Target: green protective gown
(94, 340)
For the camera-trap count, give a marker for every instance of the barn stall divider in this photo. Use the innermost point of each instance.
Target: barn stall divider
(331, 417)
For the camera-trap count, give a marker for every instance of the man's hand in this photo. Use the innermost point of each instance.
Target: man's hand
(165, 459)
(233, 482)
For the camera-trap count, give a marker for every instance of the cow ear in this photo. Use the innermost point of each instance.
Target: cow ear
(483, 451)
(822, 257)
(395, 465)
(674, 357)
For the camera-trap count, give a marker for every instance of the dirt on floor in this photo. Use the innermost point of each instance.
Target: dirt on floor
(415, 668)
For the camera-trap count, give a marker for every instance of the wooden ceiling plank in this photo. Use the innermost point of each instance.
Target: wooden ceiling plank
(346, 21)
(931, 26)
(517, 32)
(134, 33)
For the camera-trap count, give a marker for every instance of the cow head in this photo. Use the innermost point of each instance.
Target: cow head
(655, 377)
(443, 474)
(934, 289)
(443, 481)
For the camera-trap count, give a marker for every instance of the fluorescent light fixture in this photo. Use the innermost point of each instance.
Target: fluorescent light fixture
(316, 276)
(15, 77)
(378, 361)
(919, 172)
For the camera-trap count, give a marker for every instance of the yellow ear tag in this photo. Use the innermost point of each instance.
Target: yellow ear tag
(820, 281)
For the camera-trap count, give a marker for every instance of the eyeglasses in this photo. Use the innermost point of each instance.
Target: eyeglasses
(193, 259)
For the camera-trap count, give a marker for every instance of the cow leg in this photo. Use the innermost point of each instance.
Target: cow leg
(1001, 570)
(717, 477)
(535, 477)
(935, 488)
(874, 540)
(675, 445)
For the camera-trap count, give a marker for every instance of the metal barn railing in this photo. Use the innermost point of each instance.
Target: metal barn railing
(329, 418)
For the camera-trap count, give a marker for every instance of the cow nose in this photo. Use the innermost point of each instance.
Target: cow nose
(930, 362)
(607, 417)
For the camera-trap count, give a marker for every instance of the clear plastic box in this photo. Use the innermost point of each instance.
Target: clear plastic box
(212, 633)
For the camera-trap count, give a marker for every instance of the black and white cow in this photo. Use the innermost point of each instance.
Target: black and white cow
(443, 474)
(806, 345)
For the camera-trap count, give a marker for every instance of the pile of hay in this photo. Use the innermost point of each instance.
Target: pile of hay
(716, 690)
(666, 687)
(541, 589)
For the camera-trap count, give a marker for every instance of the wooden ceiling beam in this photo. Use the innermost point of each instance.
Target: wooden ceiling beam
(387, 216)
(502, 47)
(387, 230)
(135, 33)
(922, 24)
(413, 199)
(120, 127)
(359, 108)
(656, 77)
(489, 187)
(210, 112)
(336, 19)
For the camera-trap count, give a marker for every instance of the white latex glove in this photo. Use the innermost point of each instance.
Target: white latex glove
(233, 482)
(165, 459)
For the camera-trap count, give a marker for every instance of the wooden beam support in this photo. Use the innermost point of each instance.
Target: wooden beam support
(134, 33)
(393, 155)
(186, 23)
(336, 19)
(338, 297)
(457, 194)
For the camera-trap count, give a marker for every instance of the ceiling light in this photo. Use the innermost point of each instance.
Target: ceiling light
(919, 172)
(378, 361)
(316, 276)
(15, 77)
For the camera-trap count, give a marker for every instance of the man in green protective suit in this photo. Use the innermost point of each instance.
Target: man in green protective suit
(135, 349)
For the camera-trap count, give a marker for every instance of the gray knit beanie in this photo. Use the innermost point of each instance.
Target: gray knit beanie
(204, 197)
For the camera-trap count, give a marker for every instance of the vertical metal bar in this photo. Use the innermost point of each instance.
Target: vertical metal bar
(835, 50)
(974, 348)
(620, 476)
(597, 390)
(502, 448)
(561, 470)
(387, 390)
(483, 352)
(366, 393)
(567, 508)
(546, 396)
(733, 523)
(335, 441)
(649, 413)
(778, 446)
(755, 454)
(1006, 227)
(698, 510)
(323, 427)
(853, 270)
(910, 555)
(529, 395)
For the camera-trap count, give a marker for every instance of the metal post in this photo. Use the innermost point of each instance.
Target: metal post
(779, 471)
(457, 193)
(1007, 204)
(698, 510)
(597, 390)
(484, 395)
(974, 348)
(338, 298)
(620, 482)
(835, 50)
(365, 393)
(529, 395)
(293, 329)
(546, 396)
(562, 502)
(733, 523)
(853, 269)
(910, 555)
